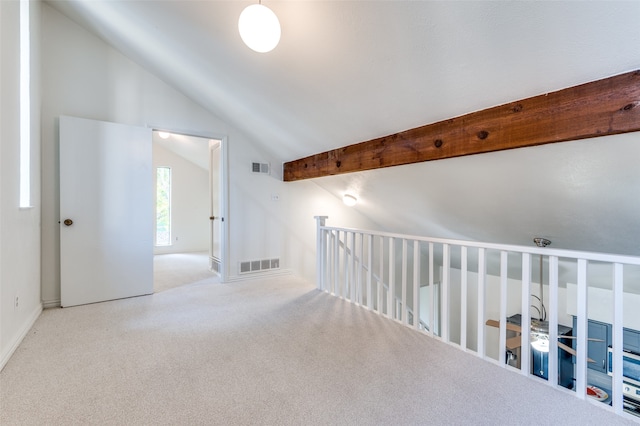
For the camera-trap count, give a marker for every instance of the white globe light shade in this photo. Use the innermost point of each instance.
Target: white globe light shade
(259, 28)
(349, 200)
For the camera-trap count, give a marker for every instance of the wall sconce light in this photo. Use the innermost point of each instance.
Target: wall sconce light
(349, 200)
(259, 28)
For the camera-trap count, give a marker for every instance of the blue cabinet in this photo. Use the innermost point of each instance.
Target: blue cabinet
(631, 340)
(597, 348)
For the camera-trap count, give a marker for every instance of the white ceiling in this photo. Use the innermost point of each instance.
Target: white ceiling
(350, 71)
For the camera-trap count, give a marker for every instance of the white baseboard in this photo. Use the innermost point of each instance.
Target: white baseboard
(6, 354)
(259, 275)
(47, 304)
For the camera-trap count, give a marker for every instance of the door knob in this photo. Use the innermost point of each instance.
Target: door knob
(68, 222)
(212, 218)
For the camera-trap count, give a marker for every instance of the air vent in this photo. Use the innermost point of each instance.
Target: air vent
(215, 265)
(260, 168)
(252, 266)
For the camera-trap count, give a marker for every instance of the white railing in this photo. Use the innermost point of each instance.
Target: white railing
(456, 291)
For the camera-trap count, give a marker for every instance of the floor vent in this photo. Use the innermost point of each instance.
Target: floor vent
(260, 168)
(215, 265)
(251, 266)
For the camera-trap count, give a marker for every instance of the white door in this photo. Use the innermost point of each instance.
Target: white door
(216, 216)
(106, 211)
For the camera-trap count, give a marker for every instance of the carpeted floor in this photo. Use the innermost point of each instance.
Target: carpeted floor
(259, 352)
(177, 269)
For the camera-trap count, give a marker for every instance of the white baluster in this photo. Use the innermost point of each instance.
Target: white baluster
(553, 321)
(463, 298)
(432, 302)
(392, 279)
(416, 284)
(320, 222)
(504, 256)
(403, 311)
(618, 307)
(380, 286)
(369, 271)
(482, 272)
(582, 324)
(336, 268)
(525, 340)
(446, 273)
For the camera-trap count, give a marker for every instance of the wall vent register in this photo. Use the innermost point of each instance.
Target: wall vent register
(260, 168)
(250, 266)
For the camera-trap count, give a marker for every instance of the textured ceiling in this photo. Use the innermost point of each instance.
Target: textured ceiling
(347, 72)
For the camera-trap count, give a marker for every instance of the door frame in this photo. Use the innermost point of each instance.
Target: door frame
(223, 187)
(224, 183)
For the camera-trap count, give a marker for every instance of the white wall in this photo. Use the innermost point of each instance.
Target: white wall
(19, 228)
(189, 202)
(600, 306)
(84, 77)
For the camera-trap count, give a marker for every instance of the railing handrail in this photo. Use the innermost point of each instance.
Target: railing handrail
(546, 251)
(348, 259)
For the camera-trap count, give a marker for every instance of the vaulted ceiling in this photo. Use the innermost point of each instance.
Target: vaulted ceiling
(350, 71)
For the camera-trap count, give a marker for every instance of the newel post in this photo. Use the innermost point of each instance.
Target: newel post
(321, 251)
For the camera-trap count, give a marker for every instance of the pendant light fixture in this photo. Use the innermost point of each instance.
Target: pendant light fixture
(259, 28)
(540, 341)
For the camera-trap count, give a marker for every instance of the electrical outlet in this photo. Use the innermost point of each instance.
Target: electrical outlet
(275, 197)
(16, 304)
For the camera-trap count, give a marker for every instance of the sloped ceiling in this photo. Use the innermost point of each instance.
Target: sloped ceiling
(349, 71)
(191, 148)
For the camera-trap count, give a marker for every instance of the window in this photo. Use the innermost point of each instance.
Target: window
(163, 206)
(25, 106)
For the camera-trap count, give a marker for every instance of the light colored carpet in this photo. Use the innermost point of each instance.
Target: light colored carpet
(260, 352)
(175, 270)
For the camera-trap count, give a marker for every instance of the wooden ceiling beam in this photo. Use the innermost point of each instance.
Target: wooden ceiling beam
(600, 108)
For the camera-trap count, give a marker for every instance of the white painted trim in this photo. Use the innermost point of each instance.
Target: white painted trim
(545, 251)
(463, 298)
(445, 292)
(482, 283)
(525, 340)
(48, 304)
(224, 148)
(504, 257)
(552, 367)
(20, 337)
(582, 325)
(258, 275)
(618, 310)
(224, 176)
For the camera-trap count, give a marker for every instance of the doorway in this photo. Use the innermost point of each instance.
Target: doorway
(190, 205)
